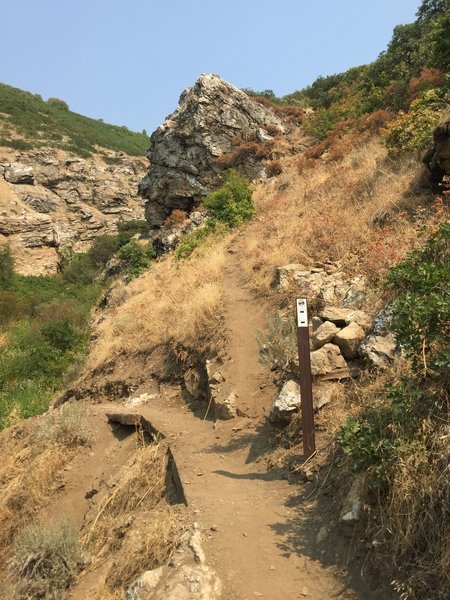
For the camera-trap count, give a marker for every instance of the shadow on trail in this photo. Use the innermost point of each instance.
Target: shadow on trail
(314, 530)
(273, 475)
(258, 440)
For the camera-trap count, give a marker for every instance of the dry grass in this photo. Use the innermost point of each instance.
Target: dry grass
(29, 474)
(134, 526)
(175, 305)
(333, 211)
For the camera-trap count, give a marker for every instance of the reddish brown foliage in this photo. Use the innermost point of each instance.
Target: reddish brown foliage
(428, 78)
(273, 168)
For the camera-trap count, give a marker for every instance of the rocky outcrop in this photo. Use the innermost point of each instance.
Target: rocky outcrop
(50, 199)
(215, 126)
(437, 158)
(324, 282)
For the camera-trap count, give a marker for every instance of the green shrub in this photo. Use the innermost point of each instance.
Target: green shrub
(102, 250)
(6, 267)
(60, 334)
(413, 131)
(46, 560)
(193, 240)
(232, 203)
(128, 229)
(58, 102)
(137, 257)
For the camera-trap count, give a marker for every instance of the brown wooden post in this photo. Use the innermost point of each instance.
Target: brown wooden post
(305, 378)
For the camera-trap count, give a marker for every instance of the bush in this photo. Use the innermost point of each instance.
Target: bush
(137, 257)
(401, 438)
(278, 344)
(6, 267)
(59, 103)
(232, 203)
(46, 560)
(102, 250)
(413, 131)
(60, 334)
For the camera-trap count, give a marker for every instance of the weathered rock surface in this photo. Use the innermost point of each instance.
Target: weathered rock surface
(324, 334)
(213, 119)
(225, 408)
(195, 382)
(18, 173)
(288, 401)
(327, 283)
(361, 318)
(286, 404)
(336, 315)
(349, 339)
(50, 199)
(437, 158)
(353, 504)
(327, 360)
(188, 577)
(379, 351)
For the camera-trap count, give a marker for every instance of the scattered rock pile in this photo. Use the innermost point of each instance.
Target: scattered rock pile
(216, 126)
(342, 335)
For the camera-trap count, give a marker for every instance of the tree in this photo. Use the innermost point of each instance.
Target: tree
(431, 8)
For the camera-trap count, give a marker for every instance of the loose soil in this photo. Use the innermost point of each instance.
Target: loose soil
(260, 532)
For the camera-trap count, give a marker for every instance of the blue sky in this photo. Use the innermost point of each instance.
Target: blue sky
(127, 61)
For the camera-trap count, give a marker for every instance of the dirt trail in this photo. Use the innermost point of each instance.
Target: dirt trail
(255, 536)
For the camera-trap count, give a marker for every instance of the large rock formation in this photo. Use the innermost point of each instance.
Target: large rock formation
(51, 199)
(437, 158)
(215, 126)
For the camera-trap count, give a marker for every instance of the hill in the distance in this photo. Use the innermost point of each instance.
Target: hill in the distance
(27, 121)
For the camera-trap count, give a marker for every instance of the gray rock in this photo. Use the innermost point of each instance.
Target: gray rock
(349, 339)
(324, 393)
(379, 351)
(185, 149)
(286, 404)
(382, 322)
(19, 173)
(41, 204)
(324, 334)
(197, 218)
(326, 360)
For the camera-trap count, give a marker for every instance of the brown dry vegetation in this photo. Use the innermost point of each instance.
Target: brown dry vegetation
(137, 503)
(359, 210)
(175, 306)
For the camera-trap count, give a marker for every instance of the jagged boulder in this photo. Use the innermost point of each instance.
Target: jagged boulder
(437, 158)
(214, 121)
(18, 173)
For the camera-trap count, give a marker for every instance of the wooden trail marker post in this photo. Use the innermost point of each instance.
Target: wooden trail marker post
(304, 357)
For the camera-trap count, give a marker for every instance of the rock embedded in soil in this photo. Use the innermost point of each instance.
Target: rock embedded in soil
(349, 339)
(286, 405)
(19, 173)
(225, 409)
(379, 351)
(336, 315)
(361, 318)
(326, 360)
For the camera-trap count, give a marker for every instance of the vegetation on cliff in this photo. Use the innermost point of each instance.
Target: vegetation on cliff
(27, 121)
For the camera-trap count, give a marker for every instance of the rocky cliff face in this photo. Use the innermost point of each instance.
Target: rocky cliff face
(437, 159)
(216, 126)
(50, 199)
